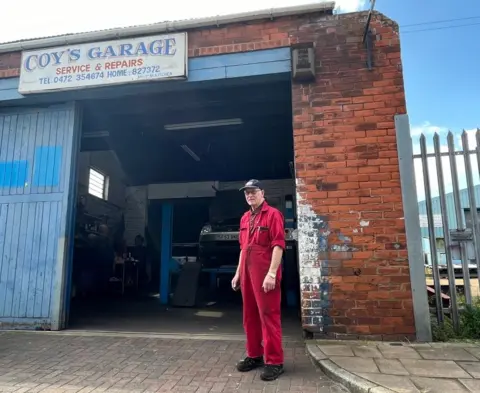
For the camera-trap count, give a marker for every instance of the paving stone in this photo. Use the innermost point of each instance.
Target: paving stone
(473, 385)
(391, 366)
(453, 345)
(332, 389)
(336, 350)
(434, 368)
(432, 385)
(473, 368)
(398, 352)
(366, 352)
(355, 365)
(379, 389)
(418, 345)
(8, 388)
(395, 383)
(475, 351)
(446, 354)
(317, 352)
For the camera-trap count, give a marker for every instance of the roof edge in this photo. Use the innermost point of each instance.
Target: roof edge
(163, 27)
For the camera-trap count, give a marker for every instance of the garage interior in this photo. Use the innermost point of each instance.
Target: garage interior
(167, 166)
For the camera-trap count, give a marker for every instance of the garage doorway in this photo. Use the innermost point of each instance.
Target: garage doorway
(158, 183)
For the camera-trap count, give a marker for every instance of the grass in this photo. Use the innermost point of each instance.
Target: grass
(469, 328)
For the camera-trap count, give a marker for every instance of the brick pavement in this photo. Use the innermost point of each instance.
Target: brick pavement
(56, 362)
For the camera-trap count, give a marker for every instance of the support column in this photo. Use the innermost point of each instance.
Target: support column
(412, 229)
(165, 251)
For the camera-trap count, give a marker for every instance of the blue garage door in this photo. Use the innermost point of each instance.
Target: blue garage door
(35, 213)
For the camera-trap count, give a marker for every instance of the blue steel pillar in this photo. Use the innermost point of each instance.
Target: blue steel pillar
(166, 252)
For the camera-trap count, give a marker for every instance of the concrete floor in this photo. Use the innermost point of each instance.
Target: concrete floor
(147, 315)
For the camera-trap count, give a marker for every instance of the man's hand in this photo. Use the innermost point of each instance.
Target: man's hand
(268, 283)
(236, 282)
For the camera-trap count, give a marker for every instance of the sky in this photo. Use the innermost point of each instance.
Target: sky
(442, 77)
(440, 51)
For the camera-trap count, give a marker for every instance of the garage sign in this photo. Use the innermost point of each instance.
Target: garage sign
(161, 57)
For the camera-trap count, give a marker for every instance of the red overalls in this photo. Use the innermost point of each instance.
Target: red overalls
(261, 311)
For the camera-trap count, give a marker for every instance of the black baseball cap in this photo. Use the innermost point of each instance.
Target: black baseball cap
(253, 183)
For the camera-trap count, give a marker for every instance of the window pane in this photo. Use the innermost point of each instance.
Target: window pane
(96, 184)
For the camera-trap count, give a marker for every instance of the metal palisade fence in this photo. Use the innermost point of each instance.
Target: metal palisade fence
(449, 231)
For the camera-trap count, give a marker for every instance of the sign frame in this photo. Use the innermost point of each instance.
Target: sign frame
(100, 64)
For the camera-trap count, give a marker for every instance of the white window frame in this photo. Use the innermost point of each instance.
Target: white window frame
(98, 191)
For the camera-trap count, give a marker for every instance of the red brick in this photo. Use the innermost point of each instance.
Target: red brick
(379, 295)
(359, 329)
(365, 112)
(348, 171)
(337, 194)
(359, 178)
(401, 294)
(369, 169)
(348, 186)
(10, 73)
(374, 105)
(379, 162)
(349, 201)
(391, 198)
(365, 287)
(370, 200)
(381, 176)
(360, 193)
(381, 191)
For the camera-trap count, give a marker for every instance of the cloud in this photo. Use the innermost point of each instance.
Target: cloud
(349, 5)
(428, 130)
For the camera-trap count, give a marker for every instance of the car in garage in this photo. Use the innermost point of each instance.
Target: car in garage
(218, 242)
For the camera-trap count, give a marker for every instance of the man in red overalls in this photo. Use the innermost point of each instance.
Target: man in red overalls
(262, 242)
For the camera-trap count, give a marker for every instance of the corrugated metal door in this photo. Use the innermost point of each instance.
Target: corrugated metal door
(36, 180)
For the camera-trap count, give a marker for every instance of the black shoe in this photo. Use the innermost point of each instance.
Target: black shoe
(271, 372)
(249, 364)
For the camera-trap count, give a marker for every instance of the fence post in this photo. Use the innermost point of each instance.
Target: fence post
(412, 227)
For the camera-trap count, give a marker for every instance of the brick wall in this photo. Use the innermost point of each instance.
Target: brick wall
(353, 258)
(355, 277)
(10, 64)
